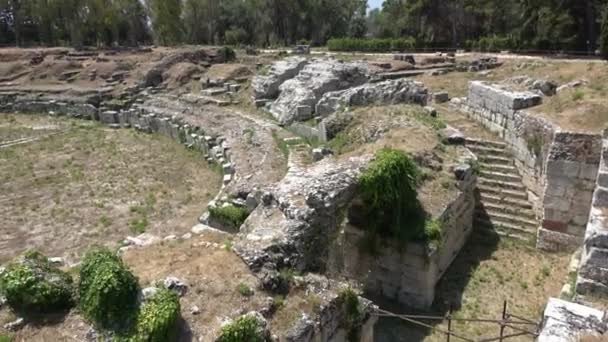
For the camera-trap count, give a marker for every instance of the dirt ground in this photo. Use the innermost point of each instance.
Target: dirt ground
(93, 185)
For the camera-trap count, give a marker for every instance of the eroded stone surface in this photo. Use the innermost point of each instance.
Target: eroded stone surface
(307, 88)
(267, 86)
(383, 93)
(567, 322)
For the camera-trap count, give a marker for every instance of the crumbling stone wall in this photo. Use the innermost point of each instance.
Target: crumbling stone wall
(409, 274)
(593, 272)
(571, 170)
(556, 166)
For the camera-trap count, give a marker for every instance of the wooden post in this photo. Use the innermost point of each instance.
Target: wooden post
(502, 323)
(449, 324)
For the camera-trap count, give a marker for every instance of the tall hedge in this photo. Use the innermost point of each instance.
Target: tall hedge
(370, 45)
(108, 290)
(32, 286)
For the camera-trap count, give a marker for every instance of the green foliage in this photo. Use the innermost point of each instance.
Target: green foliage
(426, 119)
(350, 303)
(6, 338)
(388, 191)
(245, 328)
(604, 34)
(167, 27)
(244, 290)
(32, 286)
(230, 215)
(370, 45)
(235, 36)
(578, 95)
(108, 290)
(157, 318)
(227, 54)
(433, 230)
(493, 44)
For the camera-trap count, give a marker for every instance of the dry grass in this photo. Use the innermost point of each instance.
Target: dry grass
(93, 185)
(580, 109)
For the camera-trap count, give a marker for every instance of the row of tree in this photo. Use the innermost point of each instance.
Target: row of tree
(525, 24)
(541, 24)
(107, 22)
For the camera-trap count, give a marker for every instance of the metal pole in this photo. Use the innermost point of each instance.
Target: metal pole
(502, 323)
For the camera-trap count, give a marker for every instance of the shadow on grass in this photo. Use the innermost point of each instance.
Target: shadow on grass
(449, 291)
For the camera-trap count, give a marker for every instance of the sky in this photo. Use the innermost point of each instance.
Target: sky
(375, 3)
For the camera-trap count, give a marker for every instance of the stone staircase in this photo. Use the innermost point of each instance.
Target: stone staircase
(502, 202)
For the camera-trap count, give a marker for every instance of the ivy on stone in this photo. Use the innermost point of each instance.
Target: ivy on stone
(391, 205)
(33, 286)
(108, 290)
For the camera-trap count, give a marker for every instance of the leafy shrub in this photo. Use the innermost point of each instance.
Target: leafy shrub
(230, 215)
(227, 54)
(108, 290)
(370, 45)
(245, 328)
(235, 36)
(604, 35)
(244, 290)
(352, 315)
(388, 191)
(157, 318)
(6, 338)
(31, 285)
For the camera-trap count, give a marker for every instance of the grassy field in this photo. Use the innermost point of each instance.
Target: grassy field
(92, 185)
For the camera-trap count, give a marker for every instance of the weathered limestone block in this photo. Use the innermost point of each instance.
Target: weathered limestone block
(267, 86)
(315, 79)
(566, 322)
(383, 93)
(496, 99)
(109, 117)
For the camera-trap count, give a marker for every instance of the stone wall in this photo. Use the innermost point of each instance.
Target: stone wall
(568, 322)
(409, 274)
(571, 171)
(528, 136)
(593, 273)
(557, 167)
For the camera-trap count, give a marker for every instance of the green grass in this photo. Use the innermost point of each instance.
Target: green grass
(6, 338)
(244, 290)
(426, 119)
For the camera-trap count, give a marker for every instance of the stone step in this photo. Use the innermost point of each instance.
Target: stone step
(485, 143)
(498, 217)
(504, 208)
(512, 194)
(502, 168)
(502, 184)
(507, 230)
(492, 159)
(505, 177)
(488, 151)
(503, 199)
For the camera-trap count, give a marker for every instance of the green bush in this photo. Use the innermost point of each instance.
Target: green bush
(227, 54)
(245, 328)
(31, 285)
(349, 300)
(229, 215)
(235, 36)
(388, 191)
(6, 338)
(370, 45)
(157, 318)
(108, 290)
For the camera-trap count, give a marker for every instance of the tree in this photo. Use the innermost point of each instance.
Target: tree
(604, 35)
(166, 20)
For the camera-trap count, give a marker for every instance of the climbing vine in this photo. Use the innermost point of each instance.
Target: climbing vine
(108, 290)
(388, 191)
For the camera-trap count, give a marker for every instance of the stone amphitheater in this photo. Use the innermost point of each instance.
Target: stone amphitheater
(270, 124)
